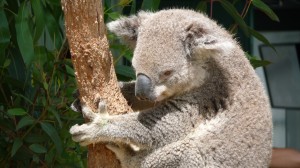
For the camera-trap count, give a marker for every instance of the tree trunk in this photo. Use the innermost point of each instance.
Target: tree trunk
(93, 66)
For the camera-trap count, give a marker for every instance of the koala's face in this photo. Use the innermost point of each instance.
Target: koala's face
(171, 49)
(162, 66)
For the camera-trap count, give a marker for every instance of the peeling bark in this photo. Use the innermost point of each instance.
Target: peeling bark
(93, 66)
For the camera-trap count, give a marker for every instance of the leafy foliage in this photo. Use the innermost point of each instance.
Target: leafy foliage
(37, 77)
(36, 85)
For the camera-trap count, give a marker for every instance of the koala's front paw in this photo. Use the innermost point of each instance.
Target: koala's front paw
(89, 133)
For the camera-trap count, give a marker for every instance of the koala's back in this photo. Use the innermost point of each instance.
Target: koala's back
(237, 131)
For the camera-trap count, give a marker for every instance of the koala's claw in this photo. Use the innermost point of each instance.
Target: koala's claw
(81, 133)
(101, 111)
(102, 107)
(113, 147)
(86, 134)
(88, 113)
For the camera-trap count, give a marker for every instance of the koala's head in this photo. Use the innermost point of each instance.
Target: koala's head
(171, 50)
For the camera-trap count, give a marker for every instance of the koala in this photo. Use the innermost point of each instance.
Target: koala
(197, 99)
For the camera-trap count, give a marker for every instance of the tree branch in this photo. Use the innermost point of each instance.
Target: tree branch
(93, 66)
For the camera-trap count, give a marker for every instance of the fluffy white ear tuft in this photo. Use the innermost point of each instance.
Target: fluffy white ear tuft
(198, 37)
(126, 28)
(206, 38)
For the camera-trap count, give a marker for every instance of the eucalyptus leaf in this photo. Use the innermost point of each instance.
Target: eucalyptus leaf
(38, 11)
(25, 121)
(4, 33)
(260, 37)
(16, 112)
(256, 62)
(56, 115)
(70, 70)
(40, 55)
(202, 6)
(266, 9)
(259, 63)
(16, 146)
(235, 15)
(37, 148)
(124, 3)
(150, 4)
(53, 29)
(125, 71)
(114, 15)
(24, 36)
(52, 133)
(6, 63)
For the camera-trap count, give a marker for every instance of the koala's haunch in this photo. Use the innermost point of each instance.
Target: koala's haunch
(207, 109)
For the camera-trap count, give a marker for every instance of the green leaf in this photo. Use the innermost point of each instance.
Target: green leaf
(256, 62)
(46, 86)
(57, 116)
(25, 121)
(259, 63)
(53, 29)
(202, 6)
(133, 7)
(6, 63)
(70, 70)
(52, 133)
(235, 15)
(125, 71)
(266, 9)
(114, 15)
(38, 11)
(24, 36)
(150, 4)
(124, 3)
(4, 33)
(40, 55)
(260, 37)
(54, 2)
(37, 148)
(16, 146)
(16, 112)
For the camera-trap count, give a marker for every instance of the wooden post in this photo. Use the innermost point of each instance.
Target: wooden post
(93, 66)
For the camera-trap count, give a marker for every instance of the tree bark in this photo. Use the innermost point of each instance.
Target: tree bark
(94, 68)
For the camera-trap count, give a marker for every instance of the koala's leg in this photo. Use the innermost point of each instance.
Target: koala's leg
(128, 156)
(180, 154)
(105, 128)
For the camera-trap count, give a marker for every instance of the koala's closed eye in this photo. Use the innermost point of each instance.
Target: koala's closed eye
(165, 74)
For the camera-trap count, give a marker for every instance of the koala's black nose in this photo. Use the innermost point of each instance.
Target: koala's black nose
(143, 87)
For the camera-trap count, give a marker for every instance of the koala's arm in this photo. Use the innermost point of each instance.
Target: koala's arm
(154, 127)
(128, 91)
(105, 128)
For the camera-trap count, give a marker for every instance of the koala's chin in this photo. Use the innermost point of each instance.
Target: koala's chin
(161, 93)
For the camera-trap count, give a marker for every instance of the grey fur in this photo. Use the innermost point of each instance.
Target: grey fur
(210, 109)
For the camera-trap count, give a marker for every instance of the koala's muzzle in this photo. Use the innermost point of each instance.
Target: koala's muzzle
(143, 87)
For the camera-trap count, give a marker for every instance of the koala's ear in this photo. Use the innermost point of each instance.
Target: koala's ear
(197, 38)
(127, 28)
